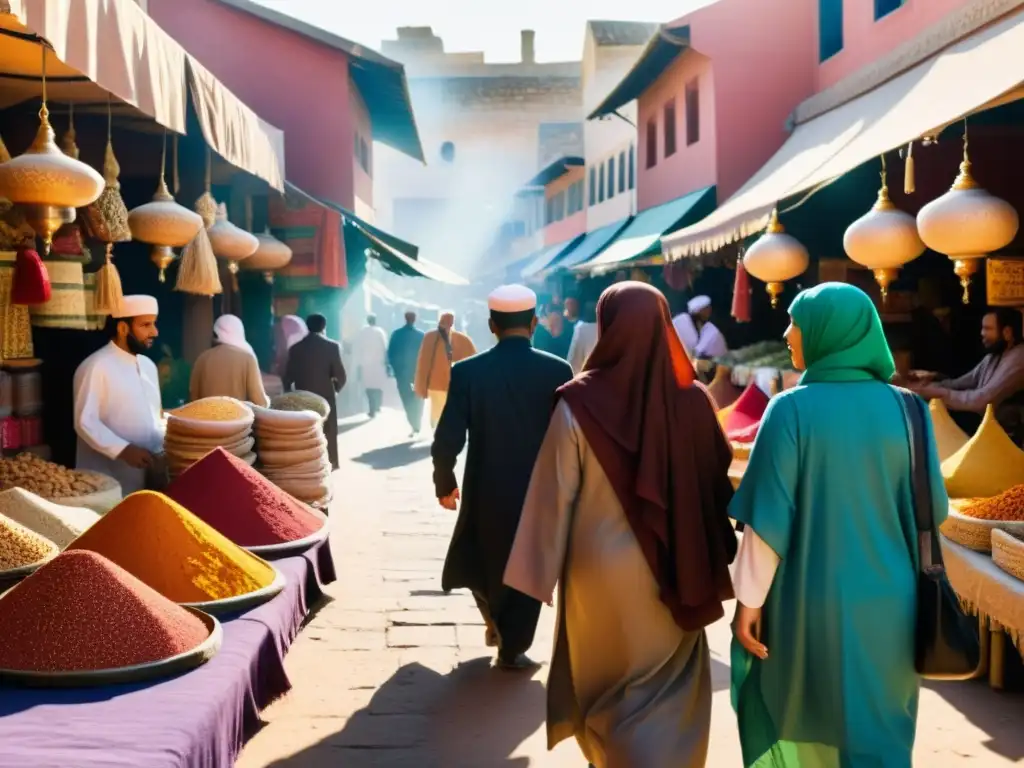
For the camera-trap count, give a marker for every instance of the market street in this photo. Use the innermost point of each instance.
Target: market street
(392, 673)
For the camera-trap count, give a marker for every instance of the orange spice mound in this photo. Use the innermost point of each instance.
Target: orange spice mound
(81, 612)
(1008, 506)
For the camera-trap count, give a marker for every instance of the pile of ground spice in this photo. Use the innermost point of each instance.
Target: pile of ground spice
(81, 612)
(53, 521)
(242, 504)
(20, 547)
(167, 547)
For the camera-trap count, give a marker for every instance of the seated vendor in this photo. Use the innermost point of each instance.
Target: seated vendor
(997, 380)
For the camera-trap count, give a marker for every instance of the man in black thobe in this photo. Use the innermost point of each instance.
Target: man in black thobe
(314, 365)
(503, 399)
(403, 352)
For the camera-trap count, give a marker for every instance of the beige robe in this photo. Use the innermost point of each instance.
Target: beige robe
(625, 680)
(433, 371)
(227, 371)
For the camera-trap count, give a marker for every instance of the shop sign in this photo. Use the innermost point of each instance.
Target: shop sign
(1004, 281)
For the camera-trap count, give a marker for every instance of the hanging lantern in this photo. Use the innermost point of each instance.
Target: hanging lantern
(231, 243)
(46, 184)
(69, 144)
(163, 224)
(883, 239)
(776, 257)
(966, 224)
(271, 255)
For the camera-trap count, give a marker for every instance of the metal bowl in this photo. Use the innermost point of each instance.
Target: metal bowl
(12, 576)
(183, 662)
(289, 548)
(241, 603)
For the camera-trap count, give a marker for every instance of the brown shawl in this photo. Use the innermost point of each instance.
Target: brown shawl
(654, 431)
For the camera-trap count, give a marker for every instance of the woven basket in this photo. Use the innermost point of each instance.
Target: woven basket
(1008, 553)
(286, 421)
(66, 307)
(179, 443)
(973, 533)
(244, 448)
(291, 458)
(298, 444)
(307, 469)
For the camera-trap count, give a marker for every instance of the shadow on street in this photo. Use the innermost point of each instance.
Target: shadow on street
(473, 717)
(394, 456)
(1000, 720)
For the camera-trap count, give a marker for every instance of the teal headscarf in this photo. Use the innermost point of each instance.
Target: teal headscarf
(842, 334)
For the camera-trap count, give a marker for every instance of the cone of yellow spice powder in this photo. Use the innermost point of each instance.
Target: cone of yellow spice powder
(168, 548)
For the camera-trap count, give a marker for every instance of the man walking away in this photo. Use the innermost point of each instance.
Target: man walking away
(314, 365)
(370, 349)
(441, 349)
(503, 398)
(403, 350)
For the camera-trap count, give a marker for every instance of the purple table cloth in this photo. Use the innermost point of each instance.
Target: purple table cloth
(199, 719)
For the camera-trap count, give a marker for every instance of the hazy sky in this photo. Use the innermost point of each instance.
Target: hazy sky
(472, 25)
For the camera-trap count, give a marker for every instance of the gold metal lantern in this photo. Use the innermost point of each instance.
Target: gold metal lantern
(231, 243)
(776, 257)
(271, 255)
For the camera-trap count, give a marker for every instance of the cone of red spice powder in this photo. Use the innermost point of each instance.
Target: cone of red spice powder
(81, 612)
(225, 492)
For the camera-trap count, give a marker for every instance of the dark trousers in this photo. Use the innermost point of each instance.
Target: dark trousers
(514, 618)
(411, 403)
(375, 398)
(331, 433)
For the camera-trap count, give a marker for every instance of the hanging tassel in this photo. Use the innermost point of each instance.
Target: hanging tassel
(909, 184)
(206, 206)
(198, 272)
(31, 282)
(67, 144)
(741, 294)
(109, 292)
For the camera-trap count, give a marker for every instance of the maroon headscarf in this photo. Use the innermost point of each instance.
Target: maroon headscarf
(653, 429)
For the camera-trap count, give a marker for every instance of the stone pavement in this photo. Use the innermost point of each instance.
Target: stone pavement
(392, 673)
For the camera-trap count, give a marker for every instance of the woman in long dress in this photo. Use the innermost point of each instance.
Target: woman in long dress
(626, 511)
(823, 673)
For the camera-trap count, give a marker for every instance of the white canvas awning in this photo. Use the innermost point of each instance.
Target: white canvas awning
(113, 46)
(979, 71)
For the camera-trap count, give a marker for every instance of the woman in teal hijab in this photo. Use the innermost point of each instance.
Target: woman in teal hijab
(823, 674)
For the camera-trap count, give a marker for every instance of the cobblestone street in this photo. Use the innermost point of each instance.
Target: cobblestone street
(392, 673)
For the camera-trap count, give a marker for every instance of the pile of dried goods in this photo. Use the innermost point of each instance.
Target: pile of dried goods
(58, 523)
(292, 452)
(46, 479)
(212, 422)
(1008, 505)
(165, 546)
(300, 400)
(242, 504)
(96, 617)
(988, 464)
(20, 547)
(742, 419)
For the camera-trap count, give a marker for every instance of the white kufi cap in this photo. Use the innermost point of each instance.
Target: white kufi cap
(698, 303)
(134, 306)
(512, 298)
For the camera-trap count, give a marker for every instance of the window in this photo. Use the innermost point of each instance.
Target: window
(578, 186)
(366, 154)
(559, 206)
(574, 201)
(830, 28)
(632, 166)
(622, 171)
(670, 128)
(611, 177)
(600, 184)
(448, 152)
(652, 143)
(885, 7)
(593, 185)
(692, 112)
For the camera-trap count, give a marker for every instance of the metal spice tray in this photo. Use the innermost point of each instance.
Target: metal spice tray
(241, 603)
(183, 662)
(289, 548)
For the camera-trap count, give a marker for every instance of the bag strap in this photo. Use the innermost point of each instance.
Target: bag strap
(433, 354)
(929, 549)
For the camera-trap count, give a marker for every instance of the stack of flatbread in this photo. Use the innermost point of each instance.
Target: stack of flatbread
(292, 453)
(213, 422)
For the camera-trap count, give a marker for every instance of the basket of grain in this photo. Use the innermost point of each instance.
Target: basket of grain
(300, 400)
(210, 417)
(68, 487)
(22, 551)
(286, 421)
(1008, 552)
(971, 521)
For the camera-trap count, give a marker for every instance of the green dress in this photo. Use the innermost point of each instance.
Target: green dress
(828, 488)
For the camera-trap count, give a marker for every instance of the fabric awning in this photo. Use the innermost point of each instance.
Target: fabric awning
(591, 245)
(963, 78)
(395, 261)
(546, 255)
(113, 46)
(641, 237)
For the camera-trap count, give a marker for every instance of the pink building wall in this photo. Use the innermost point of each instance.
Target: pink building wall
(570, 226)
(295, 83)
(362, 180)
(753, 72)
(866, 40)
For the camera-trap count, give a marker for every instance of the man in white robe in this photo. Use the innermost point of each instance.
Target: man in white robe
(370, 349)
(710, 342)
(117, 399)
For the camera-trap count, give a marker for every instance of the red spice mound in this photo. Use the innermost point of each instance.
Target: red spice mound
(81, 612)
(242, 504)
(747, 410)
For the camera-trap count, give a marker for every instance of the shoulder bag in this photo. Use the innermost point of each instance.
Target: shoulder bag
(946, 644)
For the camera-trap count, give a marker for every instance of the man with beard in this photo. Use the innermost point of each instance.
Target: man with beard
(503, 399)
(998, 380)
(117, 399)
